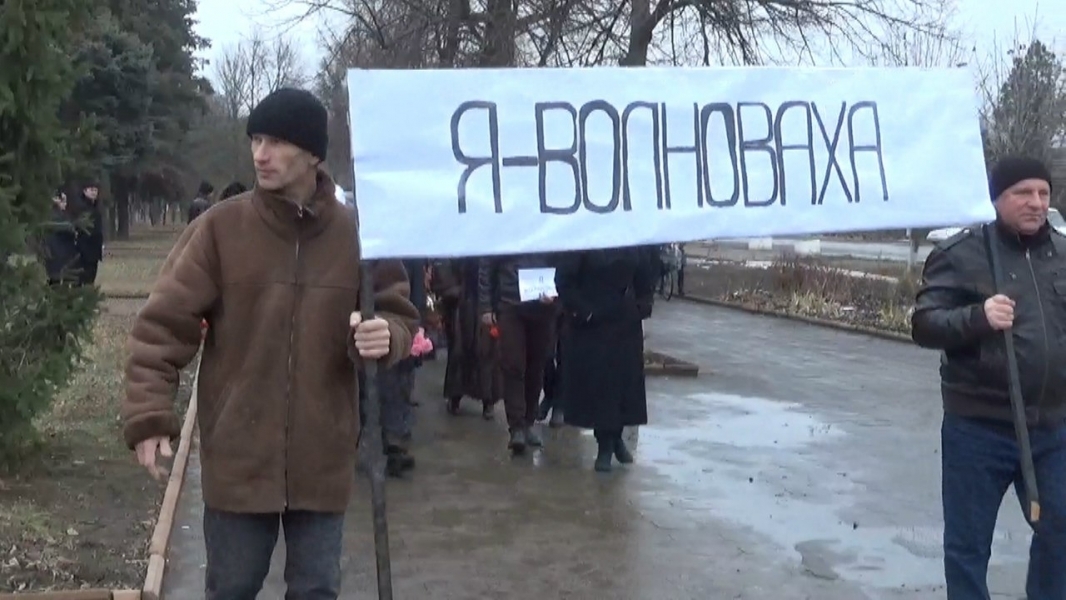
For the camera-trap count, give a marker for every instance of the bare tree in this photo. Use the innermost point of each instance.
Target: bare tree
(588, 32)
(461, 33)
(255, 67)
(938, 47)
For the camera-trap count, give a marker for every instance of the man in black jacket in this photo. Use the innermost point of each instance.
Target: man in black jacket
(60, 246)
(201, 202)
(90, 224)
(526, 334)
(958, 310)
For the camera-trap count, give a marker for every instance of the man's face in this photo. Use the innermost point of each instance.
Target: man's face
(278, 163)
(1023, 206)
(92, 192)
(60, 200)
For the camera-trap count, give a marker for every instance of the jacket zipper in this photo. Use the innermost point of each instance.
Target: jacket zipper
(292, 341)
(1043, 327)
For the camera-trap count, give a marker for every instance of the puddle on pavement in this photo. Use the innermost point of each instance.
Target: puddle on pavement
(755, 422)
(771, 468)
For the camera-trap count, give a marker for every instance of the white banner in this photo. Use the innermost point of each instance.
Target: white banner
(475, 162)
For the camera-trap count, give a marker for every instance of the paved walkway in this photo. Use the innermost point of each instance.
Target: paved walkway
(802, 464)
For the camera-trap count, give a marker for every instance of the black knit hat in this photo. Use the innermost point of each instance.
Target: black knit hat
(1010, 170)
(294, 116)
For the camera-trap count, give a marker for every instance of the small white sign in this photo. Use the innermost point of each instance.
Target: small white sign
(534, 284)
(480, 162)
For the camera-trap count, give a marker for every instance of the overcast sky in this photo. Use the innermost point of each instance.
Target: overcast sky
(225, 22)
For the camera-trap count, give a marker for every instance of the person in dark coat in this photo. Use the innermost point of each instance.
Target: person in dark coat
(472, 368)
(526, 335)
(200, 203)
(60, 244)
(605, 296)
(234, 189)
(89, 222)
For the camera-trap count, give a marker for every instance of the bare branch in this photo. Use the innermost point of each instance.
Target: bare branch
(255, 67)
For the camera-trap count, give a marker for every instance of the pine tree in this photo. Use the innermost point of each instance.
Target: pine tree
(41, 327)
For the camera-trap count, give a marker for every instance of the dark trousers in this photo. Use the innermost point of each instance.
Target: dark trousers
(396, 394)
(397, 409)
(526, 337)
(89, 268)
(239, 547)
(980, 461)
(607, 435)
(552, 372)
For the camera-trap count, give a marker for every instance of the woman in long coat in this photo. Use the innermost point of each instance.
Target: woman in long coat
(605, 295)
(472, 368)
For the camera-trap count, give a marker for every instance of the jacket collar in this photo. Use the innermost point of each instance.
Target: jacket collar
(1015, 239)
(293, 220)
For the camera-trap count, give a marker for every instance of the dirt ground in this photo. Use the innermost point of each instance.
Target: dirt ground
(130, 266)
(80, 514)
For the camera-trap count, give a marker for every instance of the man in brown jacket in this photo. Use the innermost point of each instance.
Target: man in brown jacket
(275, 271)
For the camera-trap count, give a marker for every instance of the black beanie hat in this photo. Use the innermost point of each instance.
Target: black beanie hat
(1009, 170)
(294, 116)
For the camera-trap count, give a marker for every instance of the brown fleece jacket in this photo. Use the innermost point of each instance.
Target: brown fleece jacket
(277, 394)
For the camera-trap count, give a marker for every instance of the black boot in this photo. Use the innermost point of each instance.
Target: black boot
(603, 456)
(398, 461)
(487, 411)
(621, 452)
(517, 443)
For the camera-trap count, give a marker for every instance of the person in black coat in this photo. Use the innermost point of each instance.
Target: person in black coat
(472, 369)
(89, 222)
(201, 202)
(233, 189)
(605, 295)
(60, 247)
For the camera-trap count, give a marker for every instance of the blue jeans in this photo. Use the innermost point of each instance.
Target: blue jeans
(980, 462)
(239, 547)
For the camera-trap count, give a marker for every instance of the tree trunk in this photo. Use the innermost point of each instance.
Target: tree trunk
(120, 188)
(641, 29)
(499, 46)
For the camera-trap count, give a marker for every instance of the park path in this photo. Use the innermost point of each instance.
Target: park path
(802, 464)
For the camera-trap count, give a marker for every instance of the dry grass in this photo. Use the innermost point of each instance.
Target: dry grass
(130, 266)
(812, 288)
(81, 513)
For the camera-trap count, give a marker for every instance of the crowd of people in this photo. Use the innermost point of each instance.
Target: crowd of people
(501, 349)
(582, 349)
(277, 421)
(73, 244)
